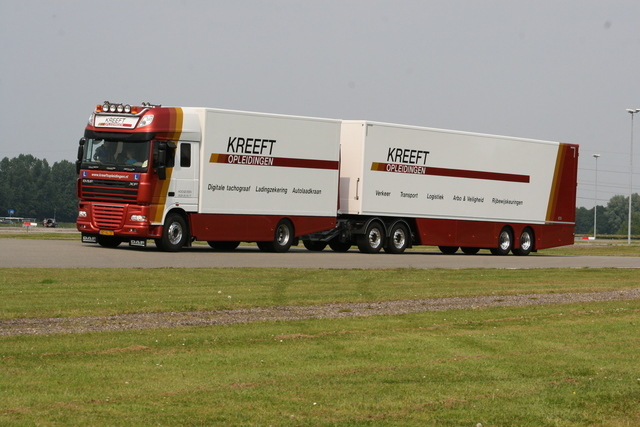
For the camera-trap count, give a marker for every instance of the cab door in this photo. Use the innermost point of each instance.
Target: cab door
(183, 188)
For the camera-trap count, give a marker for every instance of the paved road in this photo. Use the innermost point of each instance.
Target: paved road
(74, 254)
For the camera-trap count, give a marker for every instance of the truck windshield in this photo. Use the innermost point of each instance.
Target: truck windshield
(116, 155)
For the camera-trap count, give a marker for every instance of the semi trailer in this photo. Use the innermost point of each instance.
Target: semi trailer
(177, 175)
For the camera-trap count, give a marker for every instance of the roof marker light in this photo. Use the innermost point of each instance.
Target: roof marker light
(146, 120)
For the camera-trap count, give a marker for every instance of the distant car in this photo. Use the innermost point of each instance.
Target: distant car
(49, 222)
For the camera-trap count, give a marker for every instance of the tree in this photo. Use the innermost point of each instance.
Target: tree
(34, 189)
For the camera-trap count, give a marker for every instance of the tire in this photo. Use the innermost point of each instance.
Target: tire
(505, 242)
(372, 241)
(108, 241)
(398, 239)
(526, 243)
(448, 250)
(283, 238)
(337, 246)
(314, 246)
(174, 233)
(470, 251)
(223, 246)
(265, 246)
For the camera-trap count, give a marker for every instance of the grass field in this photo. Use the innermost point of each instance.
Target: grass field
(564, 365)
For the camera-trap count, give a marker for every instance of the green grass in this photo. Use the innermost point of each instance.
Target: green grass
(45, 292)
(569, 365)
(562, 365)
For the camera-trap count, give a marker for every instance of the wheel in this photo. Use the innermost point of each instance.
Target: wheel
(283, 238)
(108, 241)
(174, 233)
(265, 246)
(223, 246)
(399, 240)
(337, 246)
(448, 250)
(470, 251)
(314, 246)
(526, 243)
(505, 242)
(372, 240)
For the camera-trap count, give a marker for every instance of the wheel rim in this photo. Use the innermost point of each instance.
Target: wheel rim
(525, 241)
(399, 238)
(174, 233)
(505, 241)
(375, 238)
(283, 235)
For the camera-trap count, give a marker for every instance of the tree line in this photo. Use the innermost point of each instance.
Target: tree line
(34, 189)
(612, 219)
(31, 188)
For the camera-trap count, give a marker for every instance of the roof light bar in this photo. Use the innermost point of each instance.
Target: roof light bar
(107, 107)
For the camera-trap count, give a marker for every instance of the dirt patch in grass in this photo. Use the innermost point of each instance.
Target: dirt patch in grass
(291, 313)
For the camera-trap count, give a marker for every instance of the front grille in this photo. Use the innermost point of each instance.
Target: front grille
(108, 217)
(109, 190)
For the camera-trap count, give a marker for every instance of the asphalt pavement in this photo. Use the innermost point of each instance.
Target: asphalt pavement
(75, 254)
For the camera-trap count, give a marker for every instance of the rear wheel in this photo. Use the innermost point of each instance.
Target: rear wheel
(223, 246)
(505, 242)
(174, 233)
(372, 240)
(448, 250)
(282, 238)
(399, 239)
(314, 246)
(526, 243)
(470, 251)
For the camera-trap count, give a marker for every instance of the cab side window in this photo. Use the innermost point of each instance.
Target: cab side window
(185, 155)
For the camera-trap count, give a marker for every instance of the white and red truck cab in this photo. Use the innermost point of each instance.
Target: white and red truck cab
(176, 174)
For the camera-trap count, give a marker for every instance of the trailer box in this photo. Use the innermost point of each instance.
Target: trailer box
(458, 188)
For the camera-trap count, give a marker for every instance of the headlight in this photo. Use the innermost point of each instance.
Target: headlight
(82, 214)
(138, 218)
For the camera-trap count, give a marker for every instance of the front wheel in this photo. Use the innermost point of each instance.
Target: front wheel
(399, 240)
(505, 242)
(372, 240)
(174, 233)
(338, 246)
(314, 245)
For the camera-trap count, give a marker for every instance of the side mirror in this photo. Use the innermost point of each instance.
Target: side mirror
(163, 158)
(80, 154)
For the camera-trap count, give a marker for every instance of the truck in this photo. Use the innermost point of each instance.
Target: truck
(177, 175)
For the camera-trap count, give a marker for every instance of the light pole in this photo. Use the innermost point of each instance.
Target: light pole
(595, 199)
(632, 112)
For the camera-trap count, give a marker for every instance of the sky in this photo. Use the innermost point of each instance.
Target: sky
(557, 70)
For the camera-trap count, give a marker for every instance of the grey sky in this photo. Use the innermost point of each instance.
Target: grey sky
(554, 70)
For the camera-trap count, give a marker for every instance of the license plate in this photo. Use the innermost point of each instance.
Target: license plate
(107, 232)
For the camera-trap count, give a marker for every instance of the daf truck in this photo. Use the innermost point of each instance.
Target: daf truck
(175, 175)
